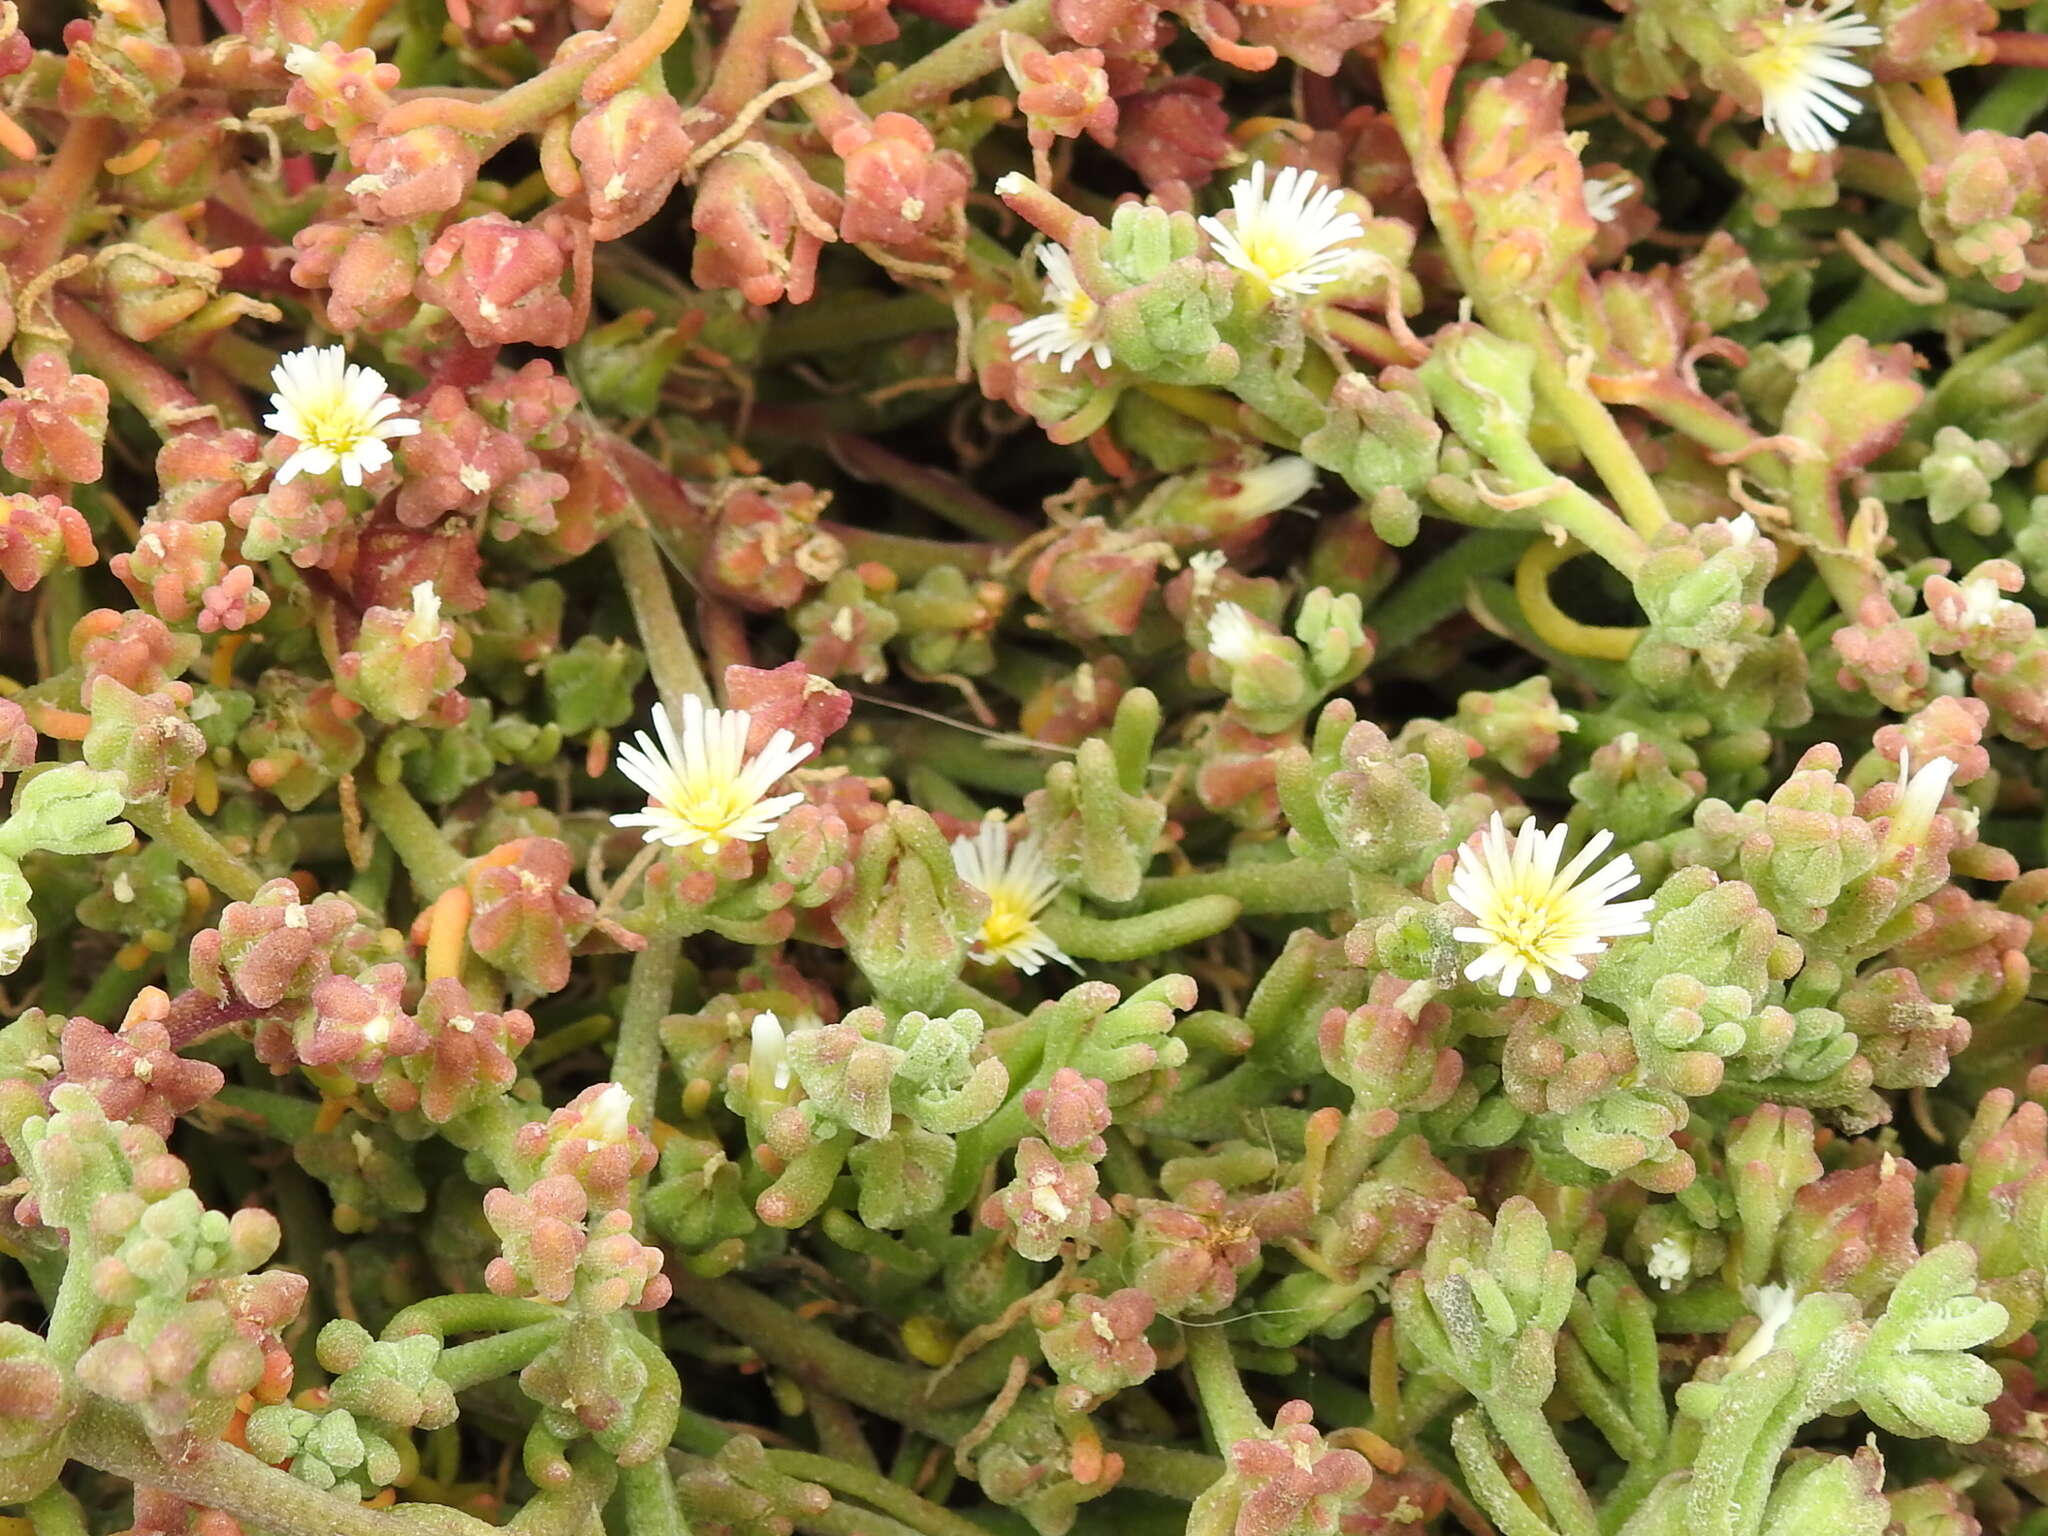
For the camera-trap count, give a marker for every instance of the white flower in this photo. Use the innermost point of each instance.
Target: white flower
(424, 626)
(1920, 796)
(706, 791)
(1741, 529)
(301, 61)
(338, 412)
(1071, 329)
(609, 1116)
(770, 1055)
(1773, 1306)
(1802, 68)
(1605, 194)
(1292, 237)
(1670, 1261)
(1019, 884)
(1234, 636)
(1533, 917)
(17, 937)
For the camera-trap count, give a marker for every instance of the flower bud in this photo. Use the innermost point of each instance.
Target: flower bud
(37, 535)
(402, 665)
(502, 281)
(760, 221)
(425, 170)
(632, 150)
(53, 424)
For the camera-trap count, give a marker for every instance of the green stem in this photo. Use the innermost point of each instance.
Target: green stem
(428, 857)
(933, 489)
(571, 1510)
(1591, 424)
(469, 1312)
(76, 1313)
(1225, 1404)
(216, 1475)
(670, 656)
(891, 1498)
(1528, 1435)
(1438, 590)
(845, 1520)
(852, 324)
(107, 999)
(648, 1493)
(1263, 890)
(1816, 513)
(469, 1365)
(1161, 1469)
(2026, 330)
(636, 1060)
(54, 1512)
(198, 849)
(1148, 933)
(815, 1354)
(287, 1118)
(969, 56)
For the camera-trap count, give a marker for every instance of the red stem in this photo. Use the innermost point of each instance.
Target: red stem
(2029, 50)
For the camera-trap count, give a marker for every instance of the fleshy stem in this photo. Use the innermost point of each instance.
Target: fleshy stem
(197, 849)
(131, 372)
(1423, 601)
(1528, 1435)
(670, 656)
(891, 1498)
(933, 489)
(428, 857)
(1415, 73)
(54, 1512)
(1552, 625)
(1225, 1404)
(468, 1312)
(636, 1062)
(647, 1493)
(743, 62)
(811, 1353)
(469, 1365)
(1148, 933)
(1265, 890)
(75, 1314)
(220, 1476)
(968, 57)
(62, 193)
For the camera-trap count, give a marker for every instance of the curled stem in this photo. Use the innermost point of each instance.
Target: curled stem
(1552, 625)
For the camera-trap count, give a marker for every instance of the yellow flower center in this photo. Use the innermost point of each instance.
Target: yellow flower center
(333, 424)
(1782, 63)
(713, 809)
(1274, 251)
(1527, 924)
(1008, 923)
(1079, 310)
